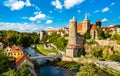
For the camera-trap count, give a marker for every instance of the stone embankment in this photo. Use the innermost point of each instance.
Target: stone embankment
(115, 66)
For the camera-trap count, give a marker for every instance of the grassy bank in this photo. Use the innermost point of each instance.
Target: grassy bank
(44, 51)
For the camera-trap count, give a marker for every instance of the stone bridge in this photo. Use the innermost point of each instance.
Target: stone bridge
(48, 57)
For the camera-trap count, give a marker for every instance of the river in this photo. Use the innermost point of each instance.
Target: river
(48, 70)
(51, 70)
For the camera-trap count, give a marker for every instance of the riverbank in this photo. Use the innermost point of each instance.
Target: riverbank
(42, 50)
(111, 67)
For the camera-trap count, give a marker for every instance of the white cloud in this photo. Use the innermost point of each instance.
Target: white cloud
(96, 11)
(78, 11)
(16, 4)
(32, 18)
(105, 9)
(49, 21)
(70, 3)
(112, 4)
(24, 17)
(104, 20)
(21, 27)
(57, 4)
(38, 15)
(28, 3)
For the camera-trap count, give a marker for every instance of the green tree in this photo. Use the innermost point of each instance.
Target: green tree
(60, 43)
(100, 33)
(36, 40)
(45, 38)
(4, 62)
(96, 51)
(87, 34)
(24, 71)
(10, 72)
(88, 70)
(107, 35)
(105, 52)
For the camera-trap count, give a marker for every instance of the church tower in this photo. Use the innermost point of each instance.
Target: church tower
(85, 24)
(73, 46)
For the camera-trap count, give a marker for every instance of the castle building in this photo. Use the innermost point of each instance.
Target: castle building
(113, 29)
(74, 40)
(85, 26)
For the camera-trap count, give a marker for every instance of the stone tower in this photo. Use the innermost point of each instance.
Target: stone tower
(73, 31)
(42, 33)
(85, 24)
(98, 23)
(73, 45)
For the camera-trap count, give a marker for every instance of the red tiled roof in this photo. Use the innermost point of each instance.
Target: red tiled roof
(52, 30)
(93, 27)
(79, 27)
(21, 59)
(5, 39)
(16, 49)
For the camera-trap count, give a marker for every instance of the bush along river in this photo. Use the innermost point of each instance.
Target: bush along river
(60, 68)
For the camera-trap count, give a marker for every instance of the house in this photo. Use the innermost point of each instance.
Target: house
(113, 29)
(1, 45)
(7, 50)
(16, 51)
(23, 59)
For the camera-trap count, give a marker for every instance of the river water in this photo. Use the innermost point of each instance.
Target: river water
(48, 70)
(51, 70)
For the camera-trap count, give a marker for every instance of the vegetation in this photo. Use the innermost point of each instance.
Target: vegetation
(44, 51)
(87, 34)
(24, 71)
(81, 52)
(100, 33)
(56, 39)
(5, 63)
(88, 70)
(68, 65)
(96, 52)
(10, 72)
(24, 39)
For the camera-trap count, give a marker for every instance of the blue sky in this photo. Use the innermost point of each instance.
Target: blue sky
(34, 15)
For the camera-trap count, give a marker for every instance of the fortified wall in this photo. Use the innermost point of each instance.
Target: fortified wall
(103, 43)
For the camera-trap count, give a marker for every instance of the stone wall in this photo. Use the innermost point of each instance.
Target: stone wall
(106, 42)
(103, 43)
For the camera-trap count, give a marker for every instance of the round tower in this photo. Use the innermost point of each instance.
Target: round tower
(73, 31)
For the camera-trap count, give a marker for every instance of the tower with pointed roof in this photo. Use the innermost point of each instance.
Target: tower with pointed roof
(85, 24)
(73, 43)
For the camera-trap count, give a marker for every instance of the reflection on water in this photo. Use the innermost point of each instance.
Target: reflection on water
(33, 53)
(53, 71)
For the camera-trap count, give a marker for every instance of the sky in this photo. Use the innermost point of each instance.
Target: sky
(36, 15)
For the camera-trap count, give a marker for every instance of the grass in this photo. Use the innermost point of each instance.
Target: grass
(44, 51)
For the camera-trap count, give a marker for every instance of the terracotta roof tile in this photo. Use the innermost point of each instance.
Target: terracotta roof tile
(93, 27)
(79, 27)
(16, 49)
(21, 59)
(52, 30)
